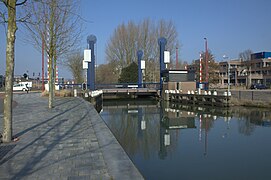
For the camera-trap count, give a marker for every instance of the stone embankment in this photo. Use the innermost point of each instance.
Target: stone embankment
(254, 98)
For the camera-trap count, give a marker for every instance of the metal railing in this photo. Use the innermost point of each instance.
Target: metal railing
(149, 85)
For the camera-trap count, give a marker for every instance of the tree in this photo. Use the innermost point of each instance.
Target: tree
(11, 34)
(57, 23)
(75, 65)
(128, 38)
(246, 55)
(129, 74)
(106, 74)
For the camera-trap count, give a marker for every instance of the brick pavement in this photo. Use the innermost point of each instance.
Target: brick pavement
(70, 141)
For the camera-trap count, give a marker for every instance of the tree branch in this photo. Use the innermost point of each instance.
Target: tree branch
(21, 3)
(5, 2)
(2, 15)
(24, 19)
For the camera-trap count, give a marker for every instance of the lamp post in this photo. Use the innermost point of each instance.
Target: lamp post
(91, 40)
(143, 70)
(228, 78)
(139, 57)
(228, 91)
(206, 61)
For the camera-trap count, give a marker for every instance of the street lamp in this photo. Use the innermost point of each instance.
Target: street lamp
(206, 61)
(226, 57)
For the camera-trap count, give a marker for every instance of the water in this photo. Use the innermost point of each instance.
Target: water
(169, 141)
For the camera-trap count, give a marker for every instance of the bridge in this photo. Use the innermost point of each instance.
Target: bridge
(141, 88)
(126, 90)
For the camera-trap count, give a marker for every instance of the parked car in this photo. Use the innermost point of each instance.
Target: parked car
(20, 87)
(258, 86)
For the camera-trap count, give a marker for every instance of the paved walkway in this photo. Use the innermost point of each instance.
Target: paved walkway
(70, 141)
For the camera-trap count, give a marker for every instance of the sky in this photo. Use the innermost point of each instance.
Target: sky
(230, 26)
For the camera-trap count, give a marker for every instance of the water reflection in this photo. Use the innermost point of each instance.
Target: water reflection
(159, 136)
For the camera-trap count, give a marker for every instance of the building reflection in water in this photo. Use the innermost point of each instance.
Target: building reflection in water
(180, 117)
(172, 119)
(136, 127)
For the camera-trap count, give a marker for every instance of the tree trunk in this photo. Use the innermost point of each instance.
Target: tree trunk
(7, 126)
(51, 54)
(54, 73)
(51, 90)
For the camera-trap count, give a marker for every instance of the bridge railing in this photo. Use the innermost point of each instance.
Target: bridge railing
(150, 85)
(128, 85)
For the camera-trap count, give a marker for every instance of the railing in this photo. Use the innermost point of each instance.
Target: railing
(155, 86)
(150, 85)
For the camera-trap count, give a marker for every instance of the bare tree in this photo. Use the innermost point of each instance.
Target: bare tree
(128, 38)
(106, 74)
(75, 63)
(122, 44)
(56, 22)
(11, 32)
(246, 55)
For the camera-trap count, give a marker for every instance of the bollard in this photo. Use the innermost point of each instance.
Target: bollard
(143, 125)
(167, 139)
(75, 92)
(167, 96)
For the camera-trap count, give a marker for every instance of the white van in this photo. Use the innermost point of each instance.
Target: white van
(28, 84)
(20, 87)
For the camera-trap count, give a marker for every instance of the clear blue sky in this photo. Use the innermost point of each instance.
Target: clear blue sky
(231, 26)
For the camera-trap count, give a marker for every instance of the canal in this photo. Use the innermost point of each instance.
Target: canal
(171, 141)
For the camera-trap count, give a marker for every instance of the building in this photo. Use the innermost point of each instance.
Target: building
(178, 80)
(244, 73)
(241, 73)
(233, 70)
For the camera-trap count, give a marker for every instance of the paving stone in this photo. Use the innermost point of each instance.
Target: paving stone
(59, 143)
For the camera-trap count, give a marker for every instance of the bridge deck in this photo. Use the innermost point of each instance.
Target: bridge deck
(130, 90)
(129, 93)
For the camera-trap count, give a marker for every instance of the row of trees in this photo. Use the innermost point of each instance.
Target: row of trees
(52, 25)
